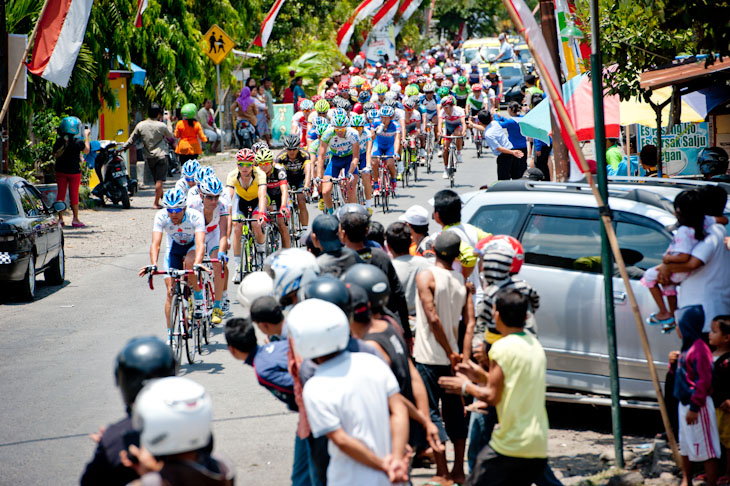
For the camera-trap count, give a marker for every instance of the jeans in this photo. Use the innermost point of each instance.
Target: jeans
(480, 432)
(300, 469)
(453, 425)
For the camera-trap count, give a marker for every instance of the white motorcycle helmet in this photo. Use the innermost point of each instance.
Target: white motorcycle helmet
(253, 286)
(291, 270)
(318, 328)
(173, 415)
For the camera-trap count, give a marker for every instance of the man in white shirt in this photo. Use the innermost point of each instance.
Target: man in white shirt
(406, 265)
(506, 51)
(206, 120)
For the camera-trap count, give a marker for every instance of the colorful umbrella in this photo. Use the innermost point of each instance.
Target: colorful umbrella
(638, 111)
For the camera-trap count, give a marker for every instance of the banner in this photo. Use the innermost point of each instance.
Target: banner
(263, 38)
(680, 146)
(281, 122)
(363, 11)
(406, 9)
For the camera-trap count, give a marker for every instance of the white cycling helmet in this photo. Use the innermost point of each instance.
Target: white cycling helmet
(253, 286)
(436, 69)
(395, 88)
(173, 198)
(190, 168)
(211, 186)
(318, 328)
(173, 415)
(291, 270)
(203, 172)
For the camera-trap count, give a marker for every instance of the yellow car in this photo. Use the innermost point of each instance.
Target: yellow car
(479, 50)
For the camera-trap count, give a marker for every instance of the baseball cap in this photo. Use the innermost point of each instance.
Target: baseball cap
(415, 215)
(326, 228)
(447, 245)
(336, 73)
(501, 36)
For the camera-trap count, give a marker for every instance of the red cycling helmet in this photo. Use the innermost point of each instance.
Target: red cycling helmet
(418, 71)
(329, 94)
(355, 71)
(245, 155)
(505, 244)
(476, 87)
(316, 98)
(447, 101)
(343, 86)
(431, 61)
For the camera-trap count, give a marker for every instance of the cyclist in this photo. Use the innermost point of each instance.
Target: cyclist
(428, 105)
(321, 110)
(362, 98)
(187, 181)
(387, 137)
(214, 206)
(495, 82)
(300, 120)
(342, 142)
(475, 76)
(296, 162)
(364, 169)
(185, 230)
(413, 124)
(461, 92)
(453, 119)
(372, 115)
(247, 191)
(476, 101)
(258, 146)
(277, 190)
(438, 78)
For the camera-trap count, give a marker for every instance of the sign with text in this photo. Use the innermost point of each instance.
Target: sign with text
(281, 122)
(680, 146)
(217, 44)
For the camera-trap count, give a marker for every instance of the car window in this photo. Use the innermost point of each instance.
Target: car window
(641, 246)
(563, 242)
(36, 196)
(29, 203)
(498, 220)
(7, 201)
(510, 72)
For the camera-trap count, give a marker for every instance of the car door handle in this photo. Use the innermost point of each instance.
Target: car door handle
(619, 297)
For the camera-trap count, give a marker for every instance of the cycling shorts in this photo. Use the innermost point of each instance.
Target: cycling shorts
(451, 127)
(337, 164)
(295, 180)
(386, 151)
(430, 115)
(362, 163)
(212, 242)
(176, 255)
(242, 208)
(474, 111)
(461, 103)
(412, 128)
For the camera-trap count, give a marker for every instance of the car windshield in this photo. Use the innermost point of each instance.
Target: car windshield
(510, 73)
(7, 201)
(473, 53)
(525, 56)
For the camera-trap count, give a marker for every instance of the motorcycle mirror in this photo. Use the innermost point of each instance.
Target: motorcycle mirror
(120, 131)
(59, 206)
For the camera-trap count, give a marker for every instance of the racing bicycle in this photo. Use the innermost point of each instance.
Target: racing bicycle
(451, 165)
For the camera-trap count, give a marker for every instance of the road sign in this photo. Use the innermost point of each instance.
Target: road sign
(217, 44)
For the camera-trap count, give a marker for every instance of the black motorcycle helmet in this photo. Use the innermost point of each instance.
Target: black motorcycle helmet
(292, 142)
(142, 359)
(352, 208)
(330, 289)
(373, 280)
(712, 161)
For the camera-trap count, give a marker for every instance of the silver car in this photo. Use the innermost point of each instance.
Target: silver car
(559, 228)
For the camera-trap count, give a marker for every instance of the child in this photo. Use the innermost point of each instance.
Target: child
(690, 218)
(698, 433)
(720, 340)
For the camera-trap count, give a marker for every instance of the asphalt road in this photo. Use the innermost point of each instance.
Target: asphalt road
(56, 380)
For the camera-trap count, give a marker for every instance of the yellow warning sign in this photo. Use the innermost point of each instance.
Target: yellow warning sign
(217, 44)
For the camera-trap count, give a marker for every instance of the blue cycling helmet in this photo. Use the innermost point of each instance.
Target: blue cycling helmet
(387, 111)
(70, 125)
(363, 97)
(321, 127)
(357, 120)
(339, 119)
(211, 186)
(190, 168)
(373, 114)
(202, 173)
(173, 198)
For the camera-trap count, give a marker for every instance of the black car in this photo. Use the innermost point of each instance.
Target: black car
(31, 239)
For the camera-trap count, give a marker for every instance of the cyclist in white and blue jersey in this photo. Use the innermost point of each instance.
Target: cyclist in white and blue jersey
(342, 143)
(364, 169)
(187, 180)
(387, 138)
(428, 104)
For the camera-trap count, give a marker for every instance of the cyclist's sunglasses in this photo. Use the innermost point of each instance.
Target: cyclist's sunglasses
(265, 163)
(189, 179)
(175, 210)
(211, 198)
(245, 164)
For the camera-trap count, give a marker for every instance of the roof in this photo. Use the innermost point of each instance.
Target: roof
(681, 74)
(488, 41)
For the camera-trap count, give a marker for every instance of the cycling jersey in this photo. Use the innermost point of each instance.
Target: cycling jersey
(385, 136)
(250, 193)
(476, 103)
(474, 76)
(293, 167)
(212, 227)
(183, 233)
(365, 137)
(301, 121)
(274, 182)
(182, 184)
(412, 120)
(430, 107)
(340, 146)
(457, 113)
(460, 93)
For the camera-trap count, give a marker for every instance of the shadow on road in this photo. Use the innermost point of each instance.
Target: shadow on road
(42, 291)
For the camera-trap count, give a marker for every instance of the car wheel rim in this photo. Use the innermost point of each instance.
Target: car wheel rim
(62, 264)
(31, 275)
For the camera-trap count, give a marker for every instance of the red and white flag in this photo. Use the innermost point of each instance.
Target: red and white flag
(406, 9)
(141, 7)
(60, 35)
(268, 24)
(363, 11)
(385, 15)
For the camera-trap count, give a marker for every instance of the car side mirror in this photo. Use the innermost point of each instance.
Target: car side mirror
(59, 206)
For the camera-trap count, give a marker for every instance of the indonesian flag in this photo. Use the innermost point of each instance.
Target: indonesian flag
(406, 9)
(363, 11)
(141, 7)
(61, 32)
(386, 13)
(268, 24)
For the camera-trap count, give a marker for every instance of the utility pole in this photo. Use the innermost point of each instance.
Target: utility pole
(4, 59)
(550, 32)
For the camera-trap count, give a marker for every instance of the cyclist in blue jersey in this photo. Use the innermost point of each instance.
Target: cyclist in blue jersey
(387, 138)
(343, 145)
(364, 169)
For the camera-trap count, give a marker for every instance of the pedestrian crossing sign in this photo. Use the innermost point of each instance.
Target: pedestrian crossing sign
(217, 44)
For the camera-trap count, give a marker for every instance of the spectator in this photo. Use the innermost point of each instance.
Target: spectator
(244, 108)
(416, 217)
(531, 82)
(506, 51)
(206, 120)
(376, 233)
(67, 151)
(514, 135)
(266, 83)
(189, 134)
(268, 315)
(297, 90)
(647, 159)
(336, 77)
(335, 259)
(613, 153)
(442, 302)
(509, 164)
(720, 339)
(288, 96)
(263, 117)
(406, 265)
(154, 135)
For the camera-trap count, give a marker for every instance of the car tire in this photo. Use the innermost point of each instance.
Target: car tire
(56, 273)
(27, 286)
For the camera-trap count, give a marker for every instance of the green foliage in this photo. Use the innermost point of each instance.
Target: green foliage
(36, 155)
(482, 17)
(315, 64)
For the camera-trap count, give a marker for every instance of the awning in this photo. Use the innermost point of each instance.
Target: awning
(138, 74)
(682, 74)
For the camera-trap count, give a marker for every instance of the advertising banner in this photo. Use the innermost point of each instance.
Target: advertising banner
(281, 122)
(680, 148)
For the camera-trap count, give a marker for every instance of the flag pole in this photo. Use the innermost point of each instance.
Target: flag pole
(11, 88)
(565, 119)
(228, 88)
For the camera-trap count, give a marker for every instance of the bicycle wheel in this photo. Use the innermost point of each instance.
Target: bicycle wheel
(176, 309)
(452, 167)
(360, 192)
(415, 169)
(429, 153)
(405, 157)
(294, 227)
(190, 333)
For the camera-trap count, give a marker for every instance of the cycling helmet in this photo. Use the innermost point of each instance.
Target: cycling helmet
(190, 168)
(410, 102)
(449, 71)
(411, 90)
(343, 86)
(245, 155)
(291, 270)
(390, 96)
(318, 328)
(315, 99)
(447, 101)
(142, 359)
(443, 91)
(438, 75)
(264, 155)
(357, 120)
(292, 142)
(387, 111)
(322, 106)
(429, 88)
(431, 61)
(476, 87)
(395, 89)
(211, 186)
(329, 289)
(357, 81)
(321, 126)
(436, 71)
(173, 415)
(373, 280)
(462, 80)
(712, 161)
(329, 94)
(306, 105)
(347, 106)
(418, 71)
(253, 286)
(70, 125)
(173, 198)
(373, 114)
(189, 111)
(363, 96)
(259, 145)
(422, 80)
(502, 253)
(353, 93)
(339, 119)
(493, 69)
(369, 106)
(390, 102)
(447, 83)
(381, 88)
(202, 173)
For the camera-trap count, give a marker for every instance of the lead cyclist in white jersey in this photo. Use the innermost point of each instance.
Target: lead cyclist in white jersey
(185, 231)
(213, 204)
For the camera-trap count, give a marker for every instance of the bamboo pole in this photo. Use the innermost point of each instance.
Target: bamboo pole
(563, 115)
(6, 103)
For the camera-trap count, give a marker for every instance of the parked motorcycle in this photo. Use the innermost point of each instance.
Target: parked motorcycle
(114, 183)
(245, 133)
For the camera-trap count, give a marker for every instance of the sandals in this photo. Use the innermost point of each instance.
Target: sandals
(667, 324)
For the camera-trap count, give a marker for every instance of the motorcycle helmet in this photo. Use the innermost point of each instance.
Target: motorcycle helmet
(211, 186)
(189, 111)
(292, 142)
(70, 125)
(291, 270)
(373, 280)
(713, 161)
(173, 198)
(329, 289)
(253, 286)
(190, 168)
(322, 106)
(142, 359)
(318, 328)
(173, 415)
